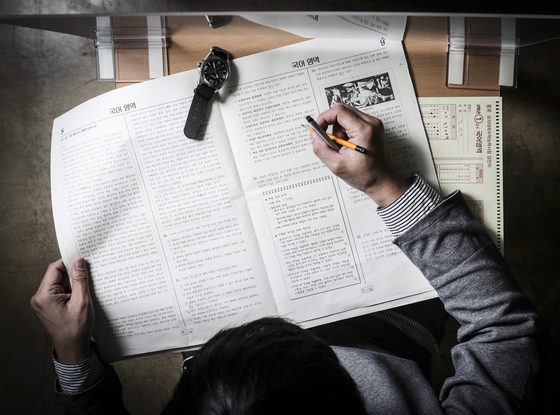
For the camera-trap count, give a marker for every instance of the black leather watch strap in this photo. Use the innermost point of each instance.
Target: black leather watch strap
(202, 95)
(220, 53)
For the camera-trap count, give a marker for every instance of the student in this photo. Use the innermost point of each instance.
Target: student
(378, 363)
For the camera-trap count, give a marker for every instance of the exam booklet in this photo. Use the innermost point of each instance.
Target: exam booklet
(185, 237)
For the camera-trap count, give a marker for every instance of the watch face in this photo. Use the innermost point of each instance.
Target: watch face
(215, 72)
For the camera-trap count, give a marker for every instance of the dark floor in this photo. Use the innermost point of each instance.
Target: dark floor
(44, 74)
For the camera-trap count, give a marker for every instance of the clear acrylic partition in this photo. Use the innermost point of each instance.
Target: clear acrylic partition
(481, 50)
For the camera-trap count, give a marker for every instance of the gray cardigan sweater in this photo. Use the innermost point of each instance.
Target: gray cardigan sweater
(499, 355)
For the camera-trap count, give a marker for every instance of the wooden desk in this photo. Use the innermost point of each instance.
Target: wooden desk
(425, 45)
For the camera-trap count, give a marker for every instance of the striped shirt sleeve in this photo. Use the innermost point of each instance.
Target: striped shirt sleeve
(419, 199)
(76, 378)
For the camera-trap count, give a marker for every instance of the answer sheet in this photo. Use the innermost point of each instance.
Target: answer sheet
(465, 136)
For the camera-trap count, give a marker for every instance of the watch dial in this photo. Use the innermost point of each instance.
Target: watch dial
(215, 72)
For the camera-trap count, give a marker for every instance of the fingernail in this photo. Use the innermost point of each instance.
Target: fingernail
(80, 264)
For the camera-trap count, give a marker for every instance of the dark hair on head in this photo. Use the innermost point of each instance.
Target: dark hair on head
(268, 366)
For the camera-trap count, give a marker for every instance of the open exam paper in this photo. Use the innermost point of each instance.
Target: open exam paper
(185, 237)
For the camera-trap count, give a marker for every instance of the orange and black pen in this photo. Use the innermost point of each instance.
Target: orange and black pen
(340, 141)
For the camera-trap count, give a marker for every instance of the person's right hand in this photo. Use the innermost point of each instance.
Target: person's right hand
(372, 172)
(66, 313)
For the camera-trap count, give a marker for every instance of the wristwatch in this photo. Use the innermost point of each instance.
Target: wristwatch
(213, 73)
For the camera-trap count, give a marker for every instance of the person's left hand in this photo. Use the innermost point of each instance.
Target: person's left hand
(66, 312)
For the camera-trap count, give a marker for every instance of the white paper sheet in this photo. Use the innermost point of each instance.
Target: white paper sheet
(331, 26)
(325, 248)
(161, 219)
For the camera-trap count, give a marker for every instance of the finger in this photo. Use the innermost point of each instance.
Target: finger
(336, 161)
(342, 114)
(347, 109)
(320, 147)
(347, 123)
(55, 278)
(53, 285)
(65, 278)
(80, 279)
(337, 130)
